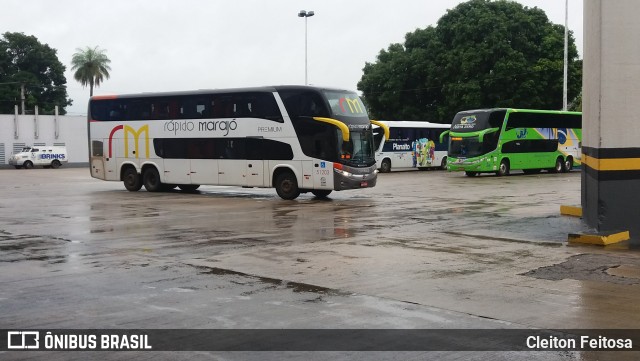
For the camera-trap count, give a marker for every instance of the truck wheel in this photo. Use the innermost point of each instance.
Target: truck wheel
(151, 180)
(287, 186)
(385, 166)
(132, 180)
(18, 166)
(55, 164)
(28, 165)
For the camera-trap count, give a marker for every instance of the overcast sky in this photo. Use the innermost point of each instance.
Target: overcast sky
(167, 45)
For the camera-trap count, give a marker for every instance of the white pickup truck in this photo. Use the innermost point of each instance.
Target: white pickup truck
(47, 157)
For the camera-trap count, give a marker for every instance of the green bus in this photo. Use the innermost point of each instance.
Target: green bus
(500, 140)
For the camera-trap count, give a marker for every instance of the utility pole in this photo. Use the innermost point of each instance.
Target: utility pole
(566, 56)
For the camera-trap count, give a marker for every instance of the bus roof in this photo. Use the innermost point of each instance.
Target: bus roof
(517, 110)
(267, 89)
(409, 124)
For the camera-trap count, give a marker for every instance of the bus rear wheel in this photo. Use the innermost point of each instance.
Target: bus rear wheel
(568, 165)
(503, 170)
(470, 174)
(559, 166)
(287, 186)
(321, 193)
(385, 166)
(443, 164)
(131, 179)
(151, 180)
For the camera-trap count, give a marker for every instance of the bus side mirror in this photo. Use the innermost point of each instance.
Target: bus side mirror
(444, 134)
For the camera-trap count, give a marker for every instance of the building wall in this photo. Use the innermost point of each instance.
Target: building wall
(26, 130)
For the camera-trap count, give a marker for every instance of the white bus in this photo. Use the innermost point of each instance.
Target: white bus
(296, 139)
(410, 145)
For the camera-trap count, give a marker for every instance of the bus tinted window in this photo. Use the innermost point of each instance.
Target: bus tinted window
(222, 148)
(239, 105)
(304, 103)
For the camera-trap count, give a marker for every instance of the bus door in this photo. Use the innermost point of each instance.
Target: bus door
(322, 174)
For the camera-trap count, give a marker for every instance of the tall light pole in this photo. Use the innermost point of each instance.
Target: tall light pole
(305, 14)
(566, 55)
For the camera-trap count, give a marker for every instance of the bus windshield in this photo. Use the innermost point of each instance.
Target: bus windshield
(474, 133)
(359, 150)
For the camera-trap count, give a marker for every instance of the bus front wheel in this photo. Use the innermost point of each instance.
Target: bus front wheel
(503, 170)
(287, 186)
(385, 166)
(151, 180)
(471, 174)
(131, 179)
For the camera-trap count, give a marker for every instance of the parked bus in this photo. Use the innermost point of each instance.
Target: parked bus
(411, 145)
(294, 138)
(501, 140)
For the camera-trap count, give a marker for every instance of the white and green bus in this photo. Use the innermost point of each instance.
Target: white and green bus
(294, 138)
(501, 140)
(410, 145)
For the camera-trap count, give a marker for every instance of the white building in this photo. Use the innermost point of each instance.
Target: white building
(17, 131)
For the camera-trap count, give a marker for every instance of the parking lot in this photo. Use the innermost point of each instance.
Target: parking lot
(420, 250)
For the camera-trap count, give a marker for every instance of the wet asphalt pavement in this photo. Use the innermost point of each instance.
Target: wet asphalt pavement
(420, 250)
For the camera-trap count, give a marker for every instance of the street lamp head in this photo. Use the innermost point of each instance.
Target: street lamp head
(305, 14)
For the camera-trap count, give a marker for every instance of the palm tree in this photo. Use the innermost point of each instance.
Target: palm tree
(91, 66)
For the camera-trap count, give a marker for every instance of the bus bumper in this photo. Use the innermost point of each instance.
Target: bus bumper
(484, 164)
(354, 178)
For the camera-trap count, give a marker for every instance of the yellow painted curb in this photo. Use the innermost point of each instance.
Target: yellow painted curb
(571, 211)
(601, 240)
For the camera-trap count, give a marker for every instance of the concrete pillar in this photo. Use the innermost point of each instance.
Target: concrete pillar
(611, 117)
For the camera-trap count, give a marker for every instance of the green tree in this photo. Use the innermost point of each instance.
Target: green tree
(91, 66)
(481, 54)
(27, 64)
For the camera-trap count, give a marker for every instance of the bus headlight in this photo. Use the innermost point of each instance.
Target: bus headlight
(343, 172)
